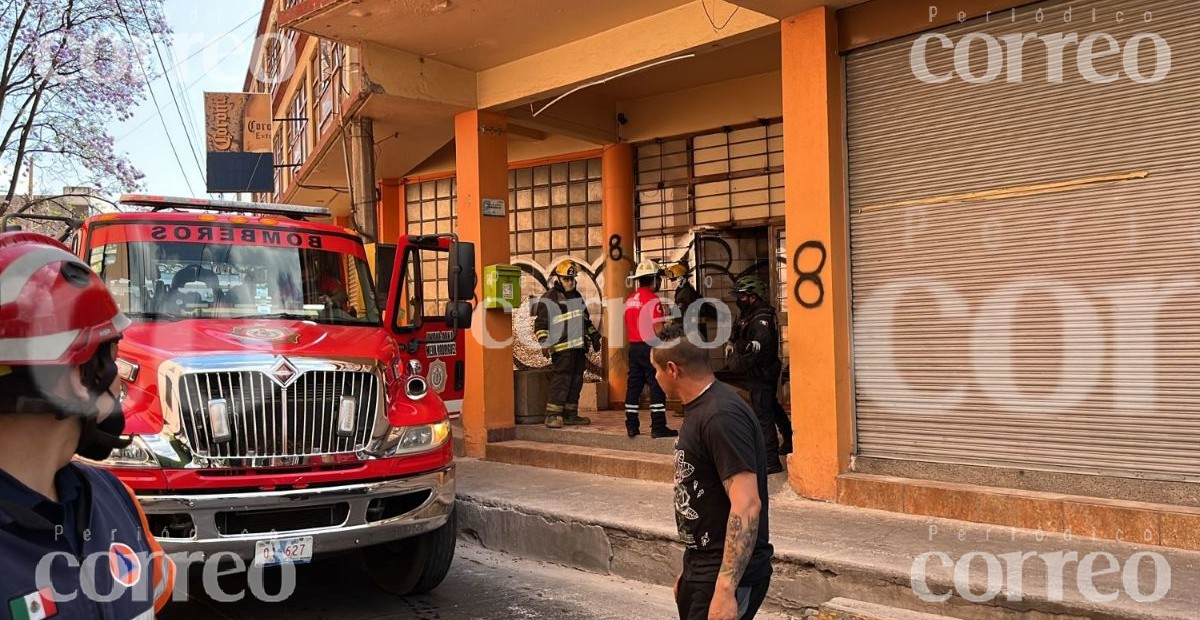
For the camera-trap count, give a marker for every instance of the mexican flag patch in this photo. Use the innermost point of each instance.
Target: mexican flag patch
(35, 606)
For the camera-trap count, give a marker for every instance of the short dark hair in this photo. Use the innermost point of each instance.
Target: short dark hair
(646, 280)
(676, 348)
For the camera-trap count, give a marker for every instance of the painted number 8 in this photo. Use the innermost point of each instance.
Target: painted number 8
(615, 251)
(813, 277)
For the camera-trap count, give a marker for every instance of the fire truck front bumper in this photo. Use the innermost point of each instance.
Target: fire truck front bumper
(337, 518)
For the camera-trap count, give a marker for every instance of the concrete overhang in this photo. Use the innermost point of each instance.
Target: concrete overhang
(472, 34)
(673, 33)
(783, 9)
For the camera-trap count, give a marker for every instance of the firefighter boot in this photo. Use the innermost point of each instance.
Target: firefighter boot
(572, 417)
(554, 415)
(658, 422)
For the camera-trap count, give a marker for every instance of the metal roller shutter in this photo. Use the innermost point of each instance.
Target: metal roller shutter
(1025, 255)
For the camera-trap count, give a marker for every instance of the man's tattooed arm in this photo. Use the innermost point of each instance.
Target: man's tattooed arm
(741, 531)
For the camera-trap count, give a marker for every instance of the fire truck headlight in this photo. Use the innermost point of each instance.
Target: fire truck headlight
(218, 419)
(347, 416)
(136, 454)
(127, 370)
(412, 439)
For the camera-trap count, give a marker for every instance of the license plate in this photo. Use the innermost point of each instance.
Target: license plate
(285, 550)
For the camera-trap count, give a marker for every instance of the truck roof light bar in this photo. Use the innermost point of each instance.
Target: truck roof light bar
(224, 206)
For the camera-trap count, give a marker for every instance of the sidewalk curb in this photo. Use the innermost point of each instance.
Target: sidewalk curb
(800, 585)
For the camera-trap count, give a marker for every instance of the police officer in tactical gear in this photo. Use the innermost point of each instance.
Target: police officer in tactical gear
(754, 353)
(59, 398)
(564, 331)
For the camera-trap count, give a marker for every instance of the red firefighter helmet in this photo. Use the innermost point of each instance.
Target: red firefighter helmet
(53, 308)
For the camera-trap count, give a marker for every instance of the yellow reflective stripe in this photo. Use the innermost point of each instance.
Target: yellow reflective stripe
(567, 316)
(553, 408)
(541, 334)
(571, 344)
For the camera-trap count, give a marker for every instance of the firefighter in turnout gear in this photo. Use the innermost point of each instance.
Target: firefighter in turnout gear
(643, 316)
(565, 332)
(754, 353)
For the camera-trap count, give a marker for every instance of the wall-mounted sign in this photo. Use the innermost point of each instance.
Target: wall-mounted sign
(238, 142)
(493, 207)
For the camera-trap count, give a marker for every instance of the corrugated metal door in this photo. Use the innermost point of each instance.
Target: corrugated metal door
(1026, 251)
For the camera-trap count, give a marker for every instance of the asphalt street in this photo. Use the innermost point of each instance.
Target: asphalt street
(481, 584)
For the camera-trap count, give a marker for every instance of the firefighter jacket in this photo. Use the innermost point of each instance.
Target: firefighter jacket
(643, 313)
(755, 350)
(561, 322)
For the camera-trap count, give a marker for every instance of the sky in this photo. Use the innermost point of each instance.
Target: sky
(225, 30)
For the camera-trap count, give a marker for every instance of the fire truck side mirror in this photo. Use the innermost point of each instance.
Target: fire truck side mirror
(462, 271)
(458, 315)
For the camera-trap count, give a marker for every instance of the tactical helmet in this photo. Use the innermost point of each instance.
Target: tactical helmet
(750, 285)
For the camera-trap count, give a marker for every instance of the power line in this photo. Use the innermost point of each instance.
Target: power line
(154, 98)
(187, 133)
(193, 83)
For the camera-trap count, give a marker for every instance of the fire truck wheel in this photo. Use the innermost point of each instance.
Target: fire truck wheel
(416, 565)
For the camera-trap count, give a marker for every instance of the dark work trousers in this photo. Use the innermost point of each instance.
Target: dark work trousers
(566, 382)
(694, 597)
(783, 422)
(641, 374)
(764, 403)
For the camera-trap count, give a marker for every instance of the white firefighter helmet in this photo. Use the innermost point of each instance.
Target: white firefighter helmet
(647, 267)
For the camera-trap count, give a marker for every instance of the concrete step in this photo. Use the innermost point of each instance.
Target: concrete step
(583, 459)
(823, 551)
(849, 609)
(593, 439)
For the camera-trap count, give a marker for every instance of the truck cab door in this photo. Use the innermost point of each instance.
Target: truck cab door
(416, 315)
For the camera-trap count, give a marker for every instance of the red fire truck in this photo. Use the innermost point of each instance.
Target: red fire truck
(280, 405)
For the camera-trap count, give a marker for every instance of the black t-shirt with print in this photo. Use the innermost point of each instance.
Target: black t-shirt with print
(719, 437)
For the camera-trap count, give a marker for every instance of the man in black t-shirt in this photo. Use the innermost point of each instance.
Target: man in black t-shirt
(720, 490)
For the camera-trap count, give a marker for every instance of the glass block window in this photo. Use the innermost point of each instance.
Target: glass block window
(430, 209)
(555, 210)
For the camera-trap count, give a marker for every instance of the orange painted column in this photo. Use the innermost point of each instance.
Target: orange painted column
(617, 222)
(391, 210)
(816, 218)
(481, 150)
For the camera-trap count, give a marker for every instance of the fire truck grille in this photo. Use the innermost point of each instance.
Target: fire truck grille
(247, 415)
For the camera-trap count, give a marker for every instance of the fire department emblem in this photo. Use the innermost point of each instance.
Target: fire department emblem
(437, 375)
(272, 335)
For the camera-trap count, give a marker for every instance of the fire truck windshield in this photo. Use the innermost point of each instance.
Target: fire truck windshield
(156, 280)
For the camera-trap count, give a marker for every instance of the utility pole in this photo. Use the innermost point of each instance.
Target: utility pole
(360, 161)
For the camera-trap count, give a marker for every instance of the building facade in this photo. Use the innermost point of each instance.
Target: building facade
(974, 217)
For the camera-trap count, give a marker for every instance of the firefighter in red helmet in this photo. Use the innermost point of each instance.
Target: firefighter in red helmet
(59, 398)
